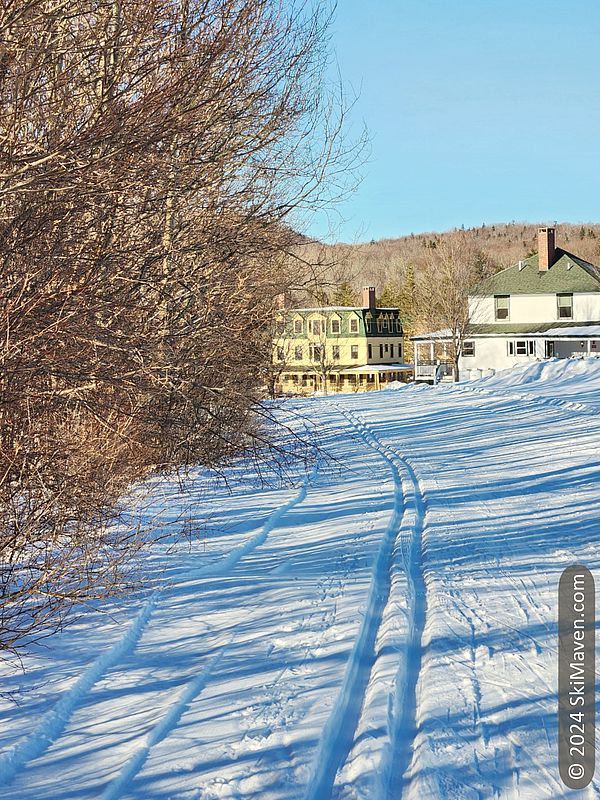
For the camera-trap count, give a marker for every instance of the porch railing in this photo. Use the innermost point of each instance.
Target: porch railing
(432, 371)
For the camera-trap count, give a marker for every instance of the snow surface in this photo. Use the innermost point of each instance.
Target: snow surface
(381, 626)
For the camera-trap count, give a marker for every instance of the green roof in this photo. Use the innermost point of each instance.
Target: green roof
(569, 273)
(570, 327)
(526, 327)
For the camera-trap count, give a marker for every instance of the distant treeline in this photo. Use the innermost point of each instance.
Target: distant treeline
(405, 269)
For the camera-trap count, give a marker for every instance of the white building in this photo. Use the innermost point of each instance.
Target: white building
(543, 307)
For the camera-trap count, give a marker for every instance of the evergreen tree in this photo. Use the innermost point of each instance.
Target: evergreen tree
(345, 295)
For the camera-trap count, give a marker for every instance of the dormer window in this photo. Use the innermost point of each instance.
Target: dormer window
(565, 306)
(316, 326)
(501, 306)
(335, 326)
(298, 326)
(353, 325)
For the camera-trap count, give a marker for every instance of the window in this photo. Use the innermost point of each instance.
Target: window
(354, 351)
(521, 348)
(298, 353)
(353, 325)
(316, 326)
(298, 326)
(316, 352)
(469, 348)
(398, 326)
(280, 354)
(335, 326)
(336, 352)
(380, 351)
(280, 326)
(387, 348)
(399, 351)
(565, 306)
(370, 349)
(382, 323)
(501, 306)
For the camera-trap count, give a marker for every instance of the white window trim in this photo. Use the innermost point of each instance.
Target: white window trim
(503, 297)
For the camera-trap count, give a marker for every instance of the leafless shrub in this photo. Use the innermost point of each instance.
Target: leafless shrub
(155, 156)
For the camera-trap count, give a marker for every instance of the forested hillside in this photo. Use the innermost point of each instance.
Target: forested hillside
(419, 272)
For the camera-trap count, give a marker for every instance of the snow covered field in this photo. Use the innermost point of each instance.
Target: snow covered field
(382, 627)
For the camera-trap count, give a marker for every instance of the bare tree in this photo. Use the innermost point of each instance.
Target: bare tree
(454, 267)
(155, 158)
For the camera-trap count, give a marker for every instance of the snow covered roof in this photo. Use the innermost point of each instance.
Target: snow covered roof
(546, 329)
(576, 330)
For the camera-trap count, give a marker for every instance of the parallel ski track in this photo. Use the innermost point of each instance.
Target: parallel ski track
(161, 730)
(54, 722)
(339, 733)
(398, 766)
(228, 563)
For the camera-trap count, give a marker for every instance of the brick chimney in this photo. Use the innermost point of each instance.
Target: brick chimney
(368, 294)
(546, 248)
(281, 301)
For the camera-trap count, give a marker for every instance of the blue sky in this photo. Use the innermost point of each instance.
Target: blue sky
(478, 111)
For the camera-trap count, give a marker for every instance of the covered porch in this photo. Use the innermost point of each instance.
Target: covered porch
(365, 378)
(371, 377)
(432, 357)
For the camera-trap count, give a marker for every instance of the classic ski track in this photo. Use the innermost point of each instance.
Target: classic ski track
(339, 732)
(54, 722)
(161, 730)
(56, 719)
(231, 560)
(398, 767)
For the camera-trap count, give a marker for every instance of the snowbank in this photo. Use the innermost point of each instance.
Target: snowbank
(573, 381)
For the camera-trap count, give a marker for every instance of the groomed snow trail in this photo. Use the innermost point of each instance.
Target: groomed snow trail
(384, 629)
(403, 537)
(228, 563)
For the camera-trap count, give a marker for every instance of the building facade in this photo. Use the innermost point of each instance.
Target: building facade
(545, 306)
(338, 348)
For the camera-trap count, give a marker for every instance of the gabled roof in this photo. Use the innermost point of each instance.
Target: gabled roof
(569, 273)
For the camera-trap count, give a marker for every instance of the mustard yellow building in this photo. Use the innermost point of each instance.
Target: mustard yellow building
(339, 348)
